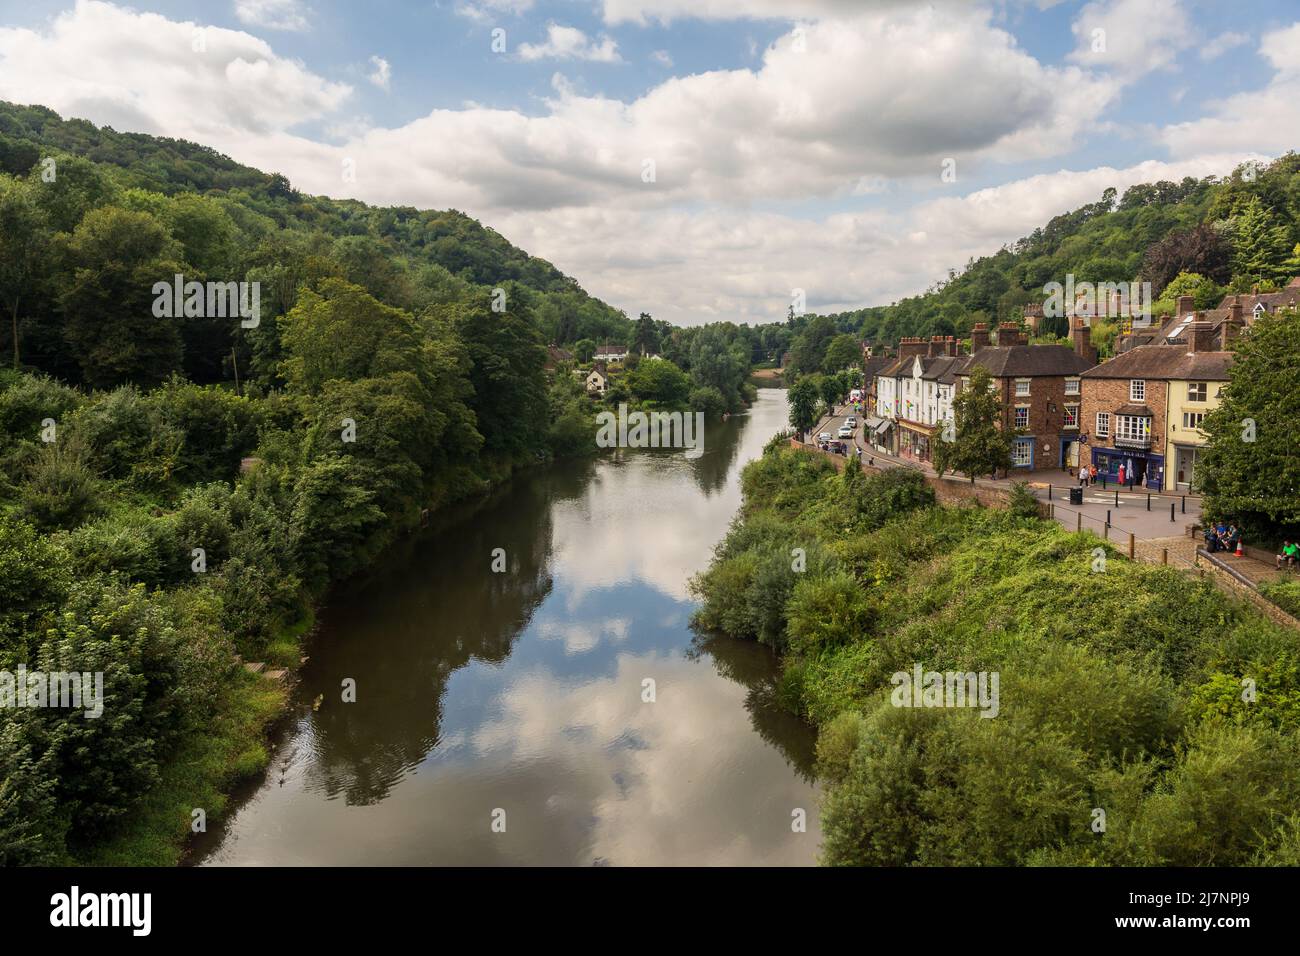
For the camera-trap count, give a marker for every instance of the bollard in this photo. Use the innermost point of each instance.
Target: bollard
(1116, 497)
(1130, 545)
(1049, 491)
(1164, 555)
(1148, 501)
(1171, 512)
(1107, 517)
(1079, 523)
(1184, 504)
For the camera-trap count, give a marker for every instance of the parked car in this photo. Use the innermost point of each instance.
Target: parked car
(851, 422)
(845, 432)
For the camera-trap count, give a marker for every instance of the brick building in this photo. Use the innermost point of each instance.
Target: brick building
(1127, 405)
(1039, 387)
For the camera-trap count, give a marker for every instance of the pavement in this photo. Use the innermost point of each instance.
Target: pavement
(1145, 515)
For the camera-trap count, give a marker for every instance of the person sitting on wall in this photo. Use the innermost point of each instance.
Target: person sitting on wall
(1231, 537)
(1211, 539)
(1290, 552)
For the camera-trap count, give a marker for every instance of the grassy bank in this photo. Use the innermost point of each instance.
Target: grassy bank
(1142, 719)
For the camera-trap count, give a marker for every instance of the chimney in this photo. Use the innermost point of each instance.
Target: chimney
(979, 337)
(910, 346)
(1234, 310)
(950, 346)
(1009, 334)
(1081, 336)
(1200, 337)
(934, 347)
(1185, 304)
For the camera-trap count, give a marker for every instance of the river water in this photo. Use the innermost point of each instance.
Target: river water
(501, 718)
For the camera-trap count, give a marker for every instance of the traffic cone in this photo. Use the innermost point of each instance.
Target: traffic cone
(1238, 553)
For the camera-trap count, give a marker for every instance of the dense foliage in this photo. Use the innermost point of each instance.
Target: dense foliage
(1129, 696)
(179, 488)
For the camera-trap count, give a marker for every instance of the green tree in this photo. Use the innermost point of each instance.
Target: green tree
(660, 382)
(645, 336)
(1251, 469)
(111, 263)
(340, 331)
(23, 240)
(979, 446)
(583, 350)
(803, 405)
(842, 353)
(1260, 243)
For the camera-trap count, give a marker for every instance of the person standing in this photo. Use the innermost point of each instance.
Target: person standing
(1122, 475)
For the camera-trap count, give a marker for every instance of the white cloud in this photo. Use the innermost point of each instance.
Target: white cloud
(566, 183)
(382, 73)
(1264, 120)
(1131, 37)
(570, 43)
(1221, 44)
(141, 72)
(486, 10)
(273, 14)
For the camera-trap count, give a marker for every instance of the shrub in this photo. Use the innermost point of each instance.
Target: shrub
(61, 488)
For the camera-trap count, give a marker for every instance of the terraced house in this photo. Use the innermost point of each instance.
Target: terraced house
(1039, 386)
(1143, 409)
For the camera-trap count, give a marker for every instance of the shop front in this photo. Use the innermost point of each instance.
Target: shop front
(914, 441)
(1141, 469)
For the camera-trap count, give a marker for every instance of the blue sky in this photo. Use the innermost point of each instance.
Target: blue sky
(797, 143)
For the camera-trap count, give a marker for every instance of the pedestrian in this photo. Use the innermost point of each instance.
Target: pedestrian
(1092, 474)
(1122, 475)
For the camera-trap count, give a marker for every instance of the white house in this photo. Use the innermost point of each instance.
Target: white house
(611, 353)
(596, 382)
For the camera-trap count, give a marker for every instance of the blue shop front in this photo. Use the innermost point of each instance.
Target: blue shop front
(1142, 469)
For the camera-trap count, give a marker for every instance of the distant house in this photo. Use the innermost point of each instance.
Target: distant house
(556, 356)
(611, 353)
(597, 380)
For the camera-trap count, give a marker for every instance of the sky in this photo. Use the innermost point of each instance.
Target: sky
(699, 160)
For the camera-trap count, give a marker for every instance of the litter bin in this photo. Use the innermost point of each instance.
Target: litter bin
(1076, 495)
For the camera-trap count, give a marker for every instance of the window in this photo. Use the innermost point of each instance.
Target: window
(1022, 416)
(1193, 419)
(1258, 310)
(1022, 387)
(1133, 427)
(1071, 386)
(1197, 391)
(1022, 453)
(1071, 416)
(1137, 390)
(1103, 424)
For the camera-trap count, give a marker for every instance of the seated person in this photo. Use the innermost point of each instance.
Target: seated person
(1290, 552)
(1212, 541)
(1231, 538)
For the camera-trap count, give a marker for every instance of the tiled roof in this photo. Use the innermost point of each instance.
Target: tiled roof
(1165, 362)
(1027, 361)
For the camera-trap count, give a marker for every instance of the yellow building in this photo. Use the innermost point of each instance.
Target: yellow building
(1190, 400)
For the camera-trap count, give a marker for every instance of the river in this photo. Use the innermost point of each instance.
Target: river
(503, 718)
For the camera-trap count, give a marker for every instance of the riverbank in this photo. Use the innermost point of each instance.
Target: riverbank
(1119, 685)
(524, 690)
